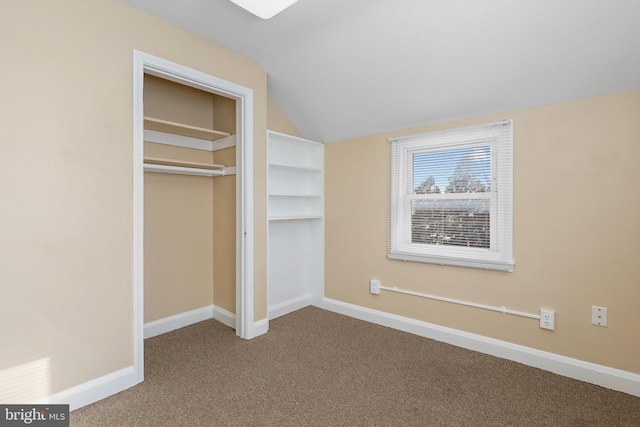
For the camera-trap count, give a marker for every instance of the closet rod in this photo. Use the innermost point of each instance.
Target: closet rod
(182, 170)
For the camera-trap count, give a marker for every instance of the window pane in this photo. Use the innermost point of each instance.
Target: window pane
(461, 170)
(461, 222)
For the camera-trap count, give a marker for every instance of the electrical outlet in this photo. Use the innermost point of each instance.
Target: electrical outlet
(548, 319)
(599, 316)
(375, 286)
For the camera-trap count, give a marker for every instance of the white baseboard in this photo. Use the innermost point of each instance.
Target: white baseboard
(616, 379)
(260, 327)
(115, 382)
(94, 390)
(289, 306)
(171, 323)
(225, 317)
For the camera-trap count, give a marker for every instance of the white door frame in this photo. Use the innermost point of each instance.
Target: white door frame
(149, 64)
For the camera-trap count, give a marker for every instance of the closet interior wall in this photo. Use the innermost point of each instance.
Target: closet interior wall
(189, 221)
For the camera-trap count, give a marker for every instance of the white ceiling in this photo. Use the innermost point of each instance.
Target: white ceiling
(345, 68)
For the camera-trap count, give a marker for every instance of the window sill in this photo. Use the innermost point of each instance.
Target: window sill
(506, 266)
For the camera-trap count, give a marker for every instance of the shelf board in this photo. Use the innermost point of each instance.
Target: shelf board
(152, 123)
(293, 217)
(297, 195)
(181, 170)
(279, 137)
(295, 168)
(182, 163)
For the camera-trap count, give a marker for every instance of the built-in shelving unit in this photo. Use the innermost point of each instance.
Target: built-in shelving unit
(296, 178)
(296, 222)
(185, 132)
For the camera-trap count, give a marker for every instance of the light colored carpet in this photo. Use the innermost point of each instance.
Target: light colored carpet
(317, 368)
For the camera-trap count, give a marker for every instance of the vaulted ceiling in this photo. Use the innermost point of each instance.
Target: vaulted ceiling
(340, 69)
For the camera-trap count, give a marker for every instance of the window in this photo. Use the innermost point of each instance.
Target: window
(451, 197)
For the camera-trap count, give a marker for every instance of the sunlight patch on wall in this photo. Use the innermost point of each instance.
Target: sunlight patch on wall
(26, 383)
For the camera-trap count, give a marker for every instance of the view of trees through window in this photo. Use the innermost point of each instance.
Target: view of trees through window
(449, 216)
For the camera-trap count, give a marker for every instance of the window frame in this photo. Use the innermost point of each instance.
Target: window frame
(499, 137)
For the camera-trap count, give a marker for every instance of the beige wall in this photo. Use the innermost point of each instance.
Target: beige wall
(224, 233)
(178, 244)
(178, 236)
(576, 234)
(66, 177)
(278, 122)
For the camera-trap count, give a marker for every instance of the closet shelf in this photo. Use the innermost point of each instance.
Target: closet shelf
(152, 123)
(172, 162)
(155, 164)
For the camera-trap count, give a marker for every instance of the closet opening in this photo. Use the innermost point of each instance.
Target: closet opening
(193, 201)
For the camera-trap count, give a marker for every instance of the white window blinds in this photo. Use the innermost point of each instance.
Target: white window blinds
(451, 197)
